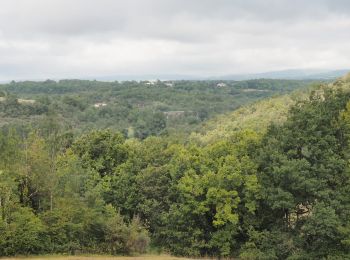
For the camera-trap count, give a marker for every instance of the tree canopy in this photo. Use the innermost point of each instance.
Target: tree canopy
(278, 189)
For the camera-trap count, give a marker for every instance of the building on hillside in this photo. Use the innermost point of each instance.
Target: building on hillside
(150, 82)
(221, 85)
(26, 101)
(168, 84)
(98, 105)
(173, 113)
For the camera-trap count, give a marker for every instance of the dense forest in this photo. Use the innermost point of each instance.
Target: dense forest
(245, 185)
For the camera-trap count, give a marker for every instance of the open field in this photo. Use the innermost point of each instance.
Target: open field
(148, 257)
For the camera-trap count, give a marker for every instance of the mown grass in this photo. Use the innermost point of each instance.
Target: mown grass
(146, 257)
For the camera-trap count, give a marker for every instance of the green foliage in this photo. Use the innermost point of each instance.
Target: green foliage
(146, 108)
(304, 174)
(101, 150)
(23, 233)
(51, 199)
(257, 116)
(217, 197)
(253, 188)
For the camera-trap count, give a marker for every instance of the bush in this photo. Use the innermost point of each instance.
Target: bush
(24, 234)
(138, 239)
(126, 239)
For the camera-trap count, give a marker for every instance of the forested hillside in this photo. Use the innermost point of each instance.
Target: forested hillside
(256, 116)
(269, 181)
(137, 109)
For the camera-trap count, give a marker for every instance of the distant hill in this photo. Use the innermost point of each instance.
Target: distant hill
(290, 74)
(255, 116)
(297, 74)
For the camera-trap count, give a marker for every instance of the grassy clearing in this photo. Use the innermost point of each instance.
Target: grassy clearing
(146, 257)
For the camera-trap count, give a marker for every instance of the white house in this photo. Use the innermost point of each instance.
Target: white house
(98, 105)
(221, 85)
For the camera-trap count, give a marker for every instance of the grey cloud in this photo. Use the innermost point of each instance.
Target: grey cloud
(59, 38)
(134, 16)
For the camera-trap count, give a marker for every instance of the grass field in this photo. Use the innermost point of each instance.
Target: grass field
(148, 257)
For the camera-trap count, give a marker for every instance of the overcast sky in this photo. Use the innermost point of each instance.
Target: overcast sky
(42, 39)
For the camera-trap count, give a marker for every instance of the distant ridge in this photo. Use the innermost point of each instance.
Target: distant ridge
(292, 74)
(297, 74)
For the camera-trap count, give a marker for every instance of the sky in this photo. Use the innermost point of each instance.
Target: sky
(41, 39)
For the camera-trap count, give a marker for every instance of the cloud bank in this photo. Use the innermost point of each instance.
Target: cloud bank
(94, 38)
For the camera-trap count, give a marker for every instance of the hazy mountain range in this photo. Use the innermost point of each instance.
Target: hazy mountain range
(290, 74)
(282, 74)
(297, 74)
